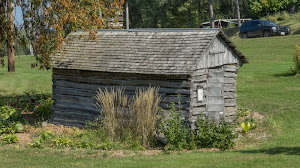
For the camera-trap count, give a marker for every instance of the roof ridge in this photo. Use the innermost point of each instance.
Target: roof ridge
(156, 30)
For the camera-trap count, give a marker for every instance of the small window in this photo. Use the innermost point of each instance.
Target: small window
(200, 94)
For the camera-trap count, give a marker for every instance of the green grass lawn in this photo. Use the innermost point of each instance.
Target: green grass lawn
(264, 86)
(25, 79)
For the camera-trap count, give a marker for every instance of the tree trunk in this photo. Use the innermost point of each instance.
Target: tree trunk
(293, 8)
(212, 18)
(238, 13)
(10, 38)
(127, 15)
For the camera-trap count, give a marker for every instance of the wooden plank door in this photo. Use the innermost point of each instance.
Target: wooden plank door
(215, 95)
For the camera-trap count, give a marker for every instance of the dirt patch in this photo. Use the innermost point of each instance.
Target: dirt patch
(24, 138)
(57, 129)
(28, 136)
(253, 137)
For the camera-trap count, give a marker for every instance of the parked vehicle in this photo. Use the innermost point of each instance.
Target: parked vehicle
(262, 28)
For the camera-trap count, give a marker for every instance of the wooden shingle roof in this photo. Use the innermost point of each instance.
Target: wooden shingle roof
(145, 51)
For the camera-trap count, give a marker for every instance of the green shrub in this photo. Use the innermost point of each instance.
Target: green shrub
(83, 144)
(210, 134)
(285, 16)
(62, 141)
(43, 110)
(248, 124)
(252, 121)
(9, 138)
(242, 112)
(104, 146)
(273, 18)
(177, 134)
(297, 16)
(296, 68)
(38, 142)
(9, 117)
(8, 114)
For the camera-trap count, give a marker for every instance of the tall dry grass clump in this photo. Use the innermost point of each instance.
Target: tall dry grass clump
(143, 114)
(114, 107)
(137, 115)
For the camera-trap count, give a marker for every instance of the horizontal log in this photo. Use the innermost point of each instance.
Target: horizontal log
(230, 119)
(230, 74)
(175, 99)
(167, 106)
(183, 114)
(197, 110)
(230, 111)
(76, 106)
(200, 72)
(164, 99)
(230, 80)
(230, 102)
(230, 68)
(130, 82)
(59, 121)
(196, 85)
(215, 84)
(198, 104)
(118, 76)
(229, 88)
(74, 98)
(74, 92)
(200, 78)
(216, 79)
(91, 87)
(73, 116)
(229, 95)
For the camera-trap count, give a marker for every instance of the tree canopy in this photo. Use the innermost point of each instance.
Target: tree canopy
(191, 13)
(47, 22)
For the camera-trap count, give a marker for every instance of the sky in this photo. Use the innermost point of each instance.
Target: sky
(18, 16)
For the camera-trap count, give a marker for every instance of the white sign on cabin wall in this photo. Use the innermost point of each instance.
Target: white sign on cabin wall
(200, 94)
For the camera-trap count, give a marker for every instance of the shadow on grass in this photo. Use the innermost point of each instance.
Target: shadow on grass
(276, 151)
(286, 74)
(296, 32)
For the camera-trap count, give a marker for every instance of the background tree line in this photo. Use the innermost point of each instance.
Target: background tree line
(47, 22)
(191, 13)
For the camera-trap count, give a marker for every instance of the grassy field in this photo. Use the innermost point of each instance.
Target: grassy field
(264, 86)
(26, 79)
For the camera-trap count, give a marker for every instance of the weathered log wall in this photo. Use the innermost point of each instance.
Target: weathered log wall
(230, 78)
(219, 93)
(74, 91)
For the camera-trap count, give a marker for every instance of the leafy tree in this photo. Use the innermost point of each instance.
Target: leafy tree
(264, 7)
(47, 22)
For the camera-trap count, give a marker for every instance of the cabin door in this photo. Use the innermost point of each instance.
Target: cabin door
(215, 96)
